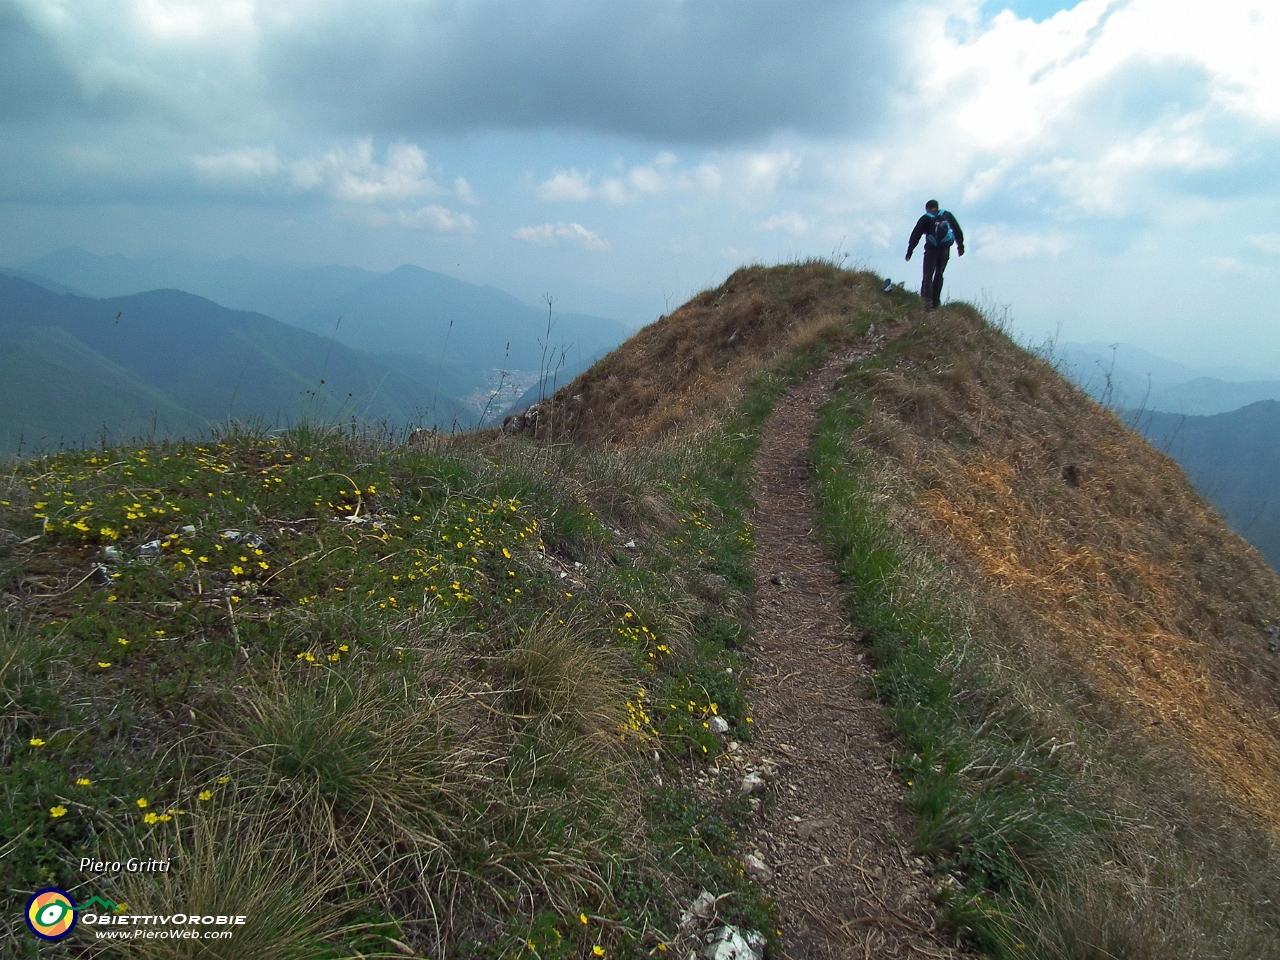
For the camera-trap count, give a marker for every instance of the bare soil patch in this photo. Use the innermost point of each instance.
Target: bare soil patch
(834, 829)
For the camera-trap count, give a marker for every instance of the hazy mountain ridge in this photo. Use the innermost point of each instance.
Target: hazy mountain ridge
(1233, 460)
(171, 363)
(411, 311)
(457, 338)
(1126, 377)
(277, 288)
(412, 340)
(1220, 423)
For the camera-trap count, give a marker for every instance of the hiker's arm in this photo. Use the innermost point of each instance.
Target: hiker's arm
(955, 228)
(916, 234)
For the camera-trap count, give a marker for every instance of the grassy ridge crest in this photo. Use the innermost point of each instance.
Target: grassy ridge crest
(1061, 827)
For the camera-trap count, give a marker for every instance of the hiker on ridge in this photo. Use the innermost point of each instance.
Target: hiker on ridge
(939, 229)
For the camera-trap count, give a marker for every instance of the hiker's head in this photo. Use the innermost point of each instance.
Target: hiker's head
(931, 206)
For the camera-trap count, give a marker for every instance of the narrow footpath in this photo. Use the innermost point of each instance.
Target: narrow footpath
(835, 836)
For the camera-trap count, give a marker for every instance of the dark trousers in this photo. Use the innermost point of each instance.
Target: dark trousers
(935, 261)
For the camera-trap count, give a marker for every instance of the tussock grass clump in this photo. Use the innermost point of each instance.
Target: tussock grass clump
(339, 749)
(555, 677)
(237, 861)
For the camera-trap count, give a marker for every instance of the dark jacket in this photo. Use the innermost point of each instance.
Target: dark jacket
(924, 226)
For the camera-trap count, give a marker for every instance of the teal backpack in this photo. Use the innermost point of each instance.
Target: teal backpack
(940, 234)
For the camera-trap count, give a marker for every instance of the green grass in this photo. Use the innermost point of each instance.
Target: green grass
(388, 695)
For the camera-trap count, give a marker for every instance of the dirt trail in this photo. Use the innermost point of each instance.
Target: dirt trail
(835, 833)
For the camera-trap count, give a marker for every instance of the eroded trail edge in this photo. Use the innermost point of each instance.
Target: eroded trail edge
(833, 837)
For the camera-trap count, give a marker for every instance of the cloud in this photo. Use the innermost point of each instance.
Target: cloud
(550, 234)
(440, 219)
(742, 175)
(762, 172)
(462, 190)
(661, 175)
(1266, 242)
(189, 19)
(1233, 267)
(243, 165)
(1101, 111)
(353, 175)
(1002, 244)
(572, 184)
(789, 222)
(712, 72)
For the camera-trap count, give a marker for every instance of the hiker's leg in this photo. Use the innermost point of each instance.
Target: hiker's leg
(940, 264)
(926, 282)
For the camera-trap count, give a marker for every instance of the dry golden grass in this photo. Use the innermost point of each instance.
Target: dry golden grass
(698, 356)
(1062, 510)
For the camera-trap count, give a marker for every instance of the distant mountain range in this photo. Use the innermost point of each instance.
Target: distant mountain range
(1233, 460)
(276, 288)
(167, 363)
(1126, 377)
(289, 291)
(417, 320)
(1222, 425)
(200, 340)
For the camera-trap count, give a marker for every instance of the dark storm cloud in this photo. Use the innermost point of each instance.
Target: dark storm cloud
(707, 72)
(33, 81)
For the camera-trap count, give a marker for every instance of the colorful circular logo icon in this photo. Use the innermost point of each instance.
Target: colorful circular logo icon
(51, 913)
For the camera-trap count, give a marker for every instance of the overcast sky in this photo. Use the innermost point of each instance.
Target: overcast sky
(1115, 164)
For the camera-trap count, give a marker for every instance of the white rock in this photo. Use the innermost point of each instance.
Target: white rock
(718, 725)
(703, 908)
(757, 869)
(731, 943)
(752, 783)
